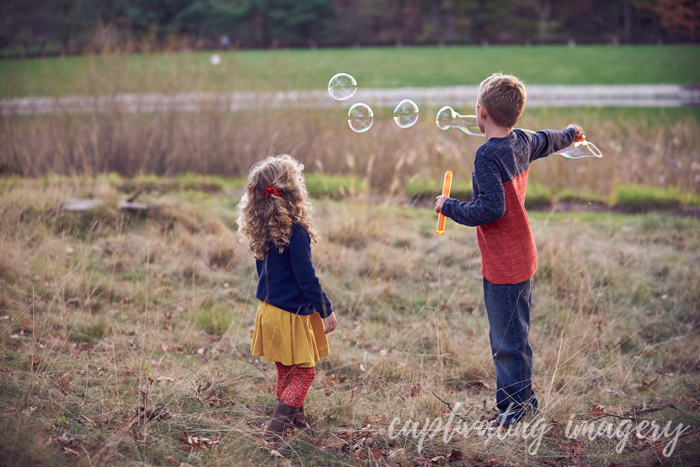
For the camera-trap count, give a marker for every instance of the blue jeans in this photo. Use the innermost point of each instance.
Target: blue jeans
(508, 310)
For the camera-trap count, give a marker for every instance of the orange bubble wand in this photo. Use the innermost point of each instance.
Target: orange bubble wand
(446, 185)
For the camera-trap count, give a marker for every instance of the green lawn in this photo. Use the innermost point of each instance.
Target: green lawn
(373, 67)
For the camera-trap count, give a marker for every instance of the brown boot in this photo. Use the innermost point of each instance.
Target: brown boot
(301, 422)
(282, 419)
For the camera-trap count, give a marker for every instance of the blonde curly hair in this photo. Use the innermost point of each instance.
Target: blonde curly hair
(266, 214)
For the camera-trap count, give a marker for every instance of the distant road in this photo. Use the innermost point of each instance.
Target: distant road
(460, 97)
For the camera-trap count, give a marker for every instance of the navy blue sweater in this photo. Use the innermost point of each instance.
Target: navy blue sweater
(288, 280)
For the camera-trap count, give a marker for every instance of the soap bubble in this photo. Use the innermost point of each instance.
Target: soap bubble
(581, 149)
(448, 118)
(215, 59)
(342, 86)
(444, 118)
(360, 118)
(406, 113)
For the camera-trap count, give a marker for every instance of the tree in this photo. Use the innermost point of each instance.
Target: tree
(680, 17)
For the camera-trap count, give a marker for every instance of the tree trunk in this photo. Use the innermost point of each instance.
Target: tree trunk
(30, 41)
(435, 15)
(545, 10)
(449, 21)
(627, 13)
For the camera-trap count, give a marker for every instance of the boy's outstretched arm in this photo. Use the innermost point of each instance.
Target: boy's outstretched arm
(489, 204)
(545, 142)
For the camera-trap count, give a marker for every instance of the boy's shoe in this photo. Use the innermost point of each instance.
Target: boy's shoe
(282, 419)
(497, 424)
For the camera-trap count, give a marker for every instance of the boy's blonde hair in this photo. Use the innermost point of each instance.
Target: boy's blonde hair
(267, 215)
(504, 98)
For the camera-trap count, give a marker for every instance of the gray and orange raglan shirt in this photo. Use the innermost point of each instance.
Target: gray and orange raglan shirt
(497, 209)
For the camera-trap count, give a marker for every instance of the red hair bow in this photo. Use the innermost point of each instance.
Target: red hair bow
(271, 190)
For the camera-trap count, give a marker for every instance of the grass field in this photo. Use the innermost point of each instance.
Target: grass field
(118, 334)
(122, 334)
(372, 67)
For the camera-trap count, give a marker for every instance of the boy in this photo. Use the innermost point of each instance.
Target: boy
(508, 253)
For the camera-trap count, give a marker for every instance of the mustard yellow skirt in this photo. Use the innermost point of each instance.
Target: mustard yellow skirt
(288, 338)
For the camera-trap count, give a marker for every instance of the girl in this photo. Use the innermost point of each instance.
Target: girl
(294, 314)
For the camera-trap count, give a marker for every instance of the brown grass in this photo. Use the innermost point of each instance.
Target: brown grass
(649, 147)
(147, 312)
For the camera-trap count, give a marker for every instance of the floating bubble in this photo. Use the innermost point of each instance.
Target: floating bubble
(215, 59)
(360, 118)
(444, 118)
(406, 113)
(581, 149)
(448, 118)
(342, 86)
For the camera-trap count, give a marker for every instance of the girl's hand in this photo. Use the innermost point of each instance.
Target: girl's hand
(330, 323)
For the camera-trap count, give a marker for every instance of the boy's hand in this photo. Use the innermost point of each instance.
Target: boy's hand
(580, 135)
(439, 201)
(330, 323)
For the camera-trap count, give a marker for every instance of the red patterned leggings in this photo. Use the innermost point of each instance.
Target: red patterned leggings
(293, 383)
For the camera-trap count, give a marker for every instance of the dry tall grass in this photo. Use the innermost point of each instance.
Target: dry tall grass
(119, 333)
(640, 146)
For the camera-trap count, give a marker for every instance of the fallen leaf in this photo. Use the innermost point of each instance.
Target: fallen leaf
(142, 437)
(332, 442)
(34, 360)
(659, 449)
(479, 385)
(63, 382)
(88, 422)
(71, 451)
(597, 411)
(645, 386)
